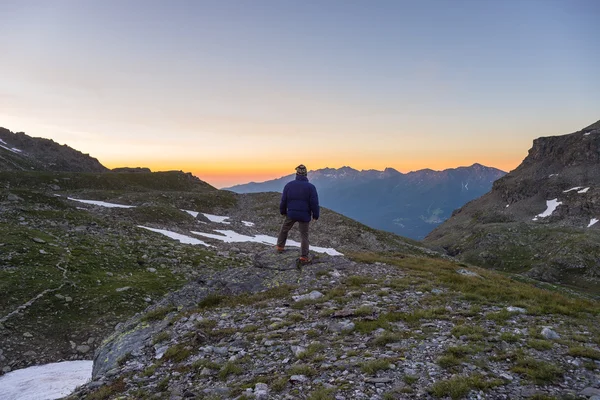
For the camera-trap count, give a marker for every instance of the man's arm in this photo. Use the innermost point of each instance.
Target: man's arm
(283, 203)
(314, 203)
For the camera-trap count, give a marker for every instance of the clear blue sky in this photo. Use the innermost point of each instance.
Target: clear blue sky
(246, 90)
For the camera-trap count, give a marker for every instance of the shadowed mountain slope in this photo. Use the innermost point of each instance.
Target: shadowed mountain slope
(540, 219)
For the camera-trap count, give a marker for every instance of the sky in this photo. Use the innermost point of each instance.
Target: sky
(239, 91)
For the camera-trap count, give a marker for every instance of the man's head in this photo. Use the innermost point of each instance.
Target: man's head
(301, 170)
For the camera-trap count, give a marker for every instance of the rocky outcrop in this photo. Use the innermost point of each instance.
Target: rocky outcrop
(539, 219)
(131, 169)
(39, 154)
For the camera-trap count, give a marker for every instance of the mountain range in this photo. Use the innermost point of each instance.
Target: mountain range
(409, 205)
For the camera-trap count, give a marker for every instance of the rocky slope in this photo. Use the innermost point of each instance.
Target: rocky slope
(409, 205)
(367, 326)
(20, 152)
(540, 218)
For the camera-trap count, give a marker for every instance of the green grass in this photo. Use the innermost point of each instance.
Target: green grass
(540, 372)
(157, 314)
(494, 289)
(230, 368)
(509, 337)
(322, 394)
(358, 280)
(471, 332)
(107, 391)
(311, 351)
(386, 338)
(586, 352)
(459, 386)
(363, 311)
(371, 367)
(500, 316)
(161, 337)
(177, 353)
(540, 344)
(449, 361)
(302, 369)
(211, 300)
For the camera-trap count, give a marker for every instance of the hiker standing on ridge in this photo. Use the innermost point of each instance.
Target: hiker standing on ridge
(299, 202)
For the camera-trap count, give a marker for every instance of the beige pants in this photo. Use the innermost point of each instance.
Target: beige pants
(285, 228)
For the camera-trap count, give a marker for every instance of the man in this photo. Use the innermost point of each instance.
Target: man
(299, 202)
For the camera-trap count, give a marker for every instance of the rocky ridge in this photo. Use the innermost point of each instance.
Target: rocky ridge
(540, 218)
(20, 152)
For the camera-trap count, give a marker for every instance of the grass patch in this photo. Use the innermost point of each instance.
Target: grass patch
(509, 337)
(363, 311)
(540, 372)
(500, 316)
(211, 300)
(386, 338)
(459, 386)
(311, 350)
(230, 368)
(161, 337)
(371, 367)
(493, 289)
(540, 344)
(106, 392)
(449, 361)
(302, 369)
(177, 353)
(471, 332)
(586, 352)
(322, 394)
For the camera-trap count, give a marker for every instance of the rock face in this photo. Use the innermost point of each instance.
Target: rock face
(539, 219)
(20, 152)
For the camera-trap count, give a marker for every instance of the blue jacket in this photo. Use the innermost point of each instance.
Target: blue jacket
(299, 200)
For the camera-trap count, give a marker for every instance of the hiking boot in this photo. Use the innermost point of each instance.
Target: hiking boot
(279, 249)
(304, 260)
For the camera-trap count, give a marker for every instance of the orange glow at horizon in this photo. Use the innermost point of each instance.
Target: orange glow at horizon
(224, 175)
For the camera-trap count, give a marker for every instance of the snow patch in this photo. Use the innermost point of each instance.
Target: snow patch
(101, 203)
(177, 236)
(216, 218)
(584, 190)
(551, 175)
(575, 188)
(234, 237)
(45, 382)
(592, 222)
(507, 205)
(14, 150)
(587, 134)
(247, 223)
(551, 206)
